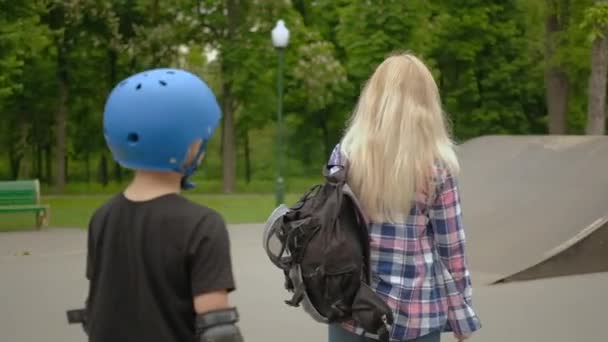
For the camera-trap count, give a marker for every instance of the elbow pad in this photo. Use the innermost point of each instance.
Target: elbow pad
(218, 326)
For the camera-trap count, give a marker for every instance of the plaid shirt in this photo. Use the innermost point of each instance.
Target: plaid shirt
(419, 267)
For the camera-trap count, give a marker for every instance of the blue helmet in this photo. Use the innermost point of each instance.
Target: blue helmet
(151, 119)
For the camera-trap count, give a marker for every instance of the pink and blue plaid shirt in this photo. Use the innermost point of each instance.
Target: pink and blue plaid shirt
(420, 268)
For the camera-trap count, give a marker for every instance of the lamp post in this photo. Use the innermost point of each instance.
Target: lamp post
(280, 40)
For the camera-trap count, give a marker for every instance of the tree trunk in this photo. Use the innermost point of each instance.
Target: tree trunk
(15, 158)
(112, 58)
(48, 164)
(38, 160)
(228, 142)
(596, 110)
(87, 166)
(66, 167)
(557, 85)
(247, 158)
(61, 120)
(228, 124)
(117, 173)
(18, 147)
(33, 166)
(155, 16)
(300, 6)
(103, 170)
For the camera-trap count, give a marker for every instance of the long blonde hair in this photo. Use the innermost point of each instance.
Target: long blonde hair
(396, 138)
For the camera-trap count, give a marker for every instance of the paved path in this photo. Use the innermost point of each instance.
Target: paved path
(36, 289)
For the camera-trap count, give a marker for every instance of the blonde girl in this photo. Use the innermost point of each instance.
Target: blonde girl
(402, 165)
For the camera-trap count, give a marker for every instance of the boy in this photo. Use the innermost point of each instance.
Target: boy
(159, 265)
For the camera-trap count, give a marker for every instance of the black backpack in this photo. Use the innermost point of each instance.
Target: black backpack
(322, 246)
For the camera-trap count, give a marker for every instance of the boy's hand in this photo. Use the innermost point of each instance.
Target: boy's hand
(211, 301)
(461, 338)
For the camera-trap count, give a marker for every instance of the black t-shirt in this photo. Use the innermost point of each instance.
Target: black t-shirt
(146, 261)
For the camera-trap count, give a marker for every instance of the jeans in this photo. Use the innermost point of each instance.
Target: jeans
(338, 334)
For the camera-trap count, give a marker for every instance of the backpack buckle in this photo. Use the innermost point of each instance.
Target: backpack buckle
(383, 332)
(297, 297)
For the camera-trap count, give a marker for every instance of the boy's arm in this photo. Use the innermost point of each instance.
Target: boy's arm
(211, 301)
(79, 316)
(212, 280)
(90, 266)
(215, 319)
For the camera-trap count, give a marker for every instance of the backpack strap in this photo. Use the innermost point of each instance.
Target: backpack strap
(297, 297)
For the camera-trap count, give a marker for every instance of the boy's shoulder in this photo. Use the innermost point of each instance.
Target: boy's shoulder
(182, 206)
(103, 210)
(169, 206)
(184, 216)
(199, 221)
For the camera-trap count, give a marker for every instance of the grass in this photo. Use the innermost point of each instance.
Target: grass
(74, 211)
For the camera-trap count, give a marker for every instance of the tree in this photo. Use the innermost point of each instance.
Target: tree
(596, 20)
(368, 33)
(557, 84)
(319, 79)
(320, 93)
(64, 20)
(24, 39)
(489, 81)
(506, 67)
(237, 30)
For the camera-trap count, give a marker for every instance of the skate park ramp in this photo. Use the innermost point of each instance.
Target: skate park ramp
(535, 206)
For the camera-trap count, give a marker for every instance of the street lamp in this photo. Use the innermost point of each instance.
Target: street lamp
(280, 40)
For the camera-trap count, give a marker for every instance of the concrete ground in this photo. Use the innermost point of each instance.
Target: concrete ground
(42, 275)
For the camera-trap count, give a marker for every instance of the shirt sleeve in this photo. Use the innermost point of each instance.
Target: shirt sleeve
(90, 263)
(449, 238)
(210, 257)
(91, 240)
(90, 253)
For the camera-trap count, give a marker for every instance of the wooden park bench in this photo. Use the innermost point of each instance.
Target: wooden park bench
(23, 196)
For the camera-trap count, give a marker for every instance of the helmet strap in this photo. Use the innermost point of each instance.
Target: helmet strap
(190, 169)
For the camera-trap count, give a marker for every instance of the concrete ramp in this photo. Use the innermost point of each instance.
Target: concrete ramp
(587, 252)
(535, 206)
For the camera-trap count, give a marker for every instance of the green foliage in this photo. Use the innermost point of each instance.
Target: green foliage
(369, 31)
(595, 20)
(488, 58)
(490, 81)
(19, 40)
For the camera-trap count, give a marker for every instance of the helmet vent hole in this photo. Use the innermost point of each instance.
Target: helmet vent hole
(122, 83)
(133, 138)
(163, 83)
(138, 86)
(170, 72)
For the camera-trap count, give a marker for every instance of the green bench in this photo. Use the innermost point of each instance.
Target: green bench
(23, 196)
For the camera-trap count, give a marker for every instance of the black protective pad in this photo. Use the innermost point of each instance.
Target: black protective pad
(76, 316)
(214, 318)
(218, 326)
